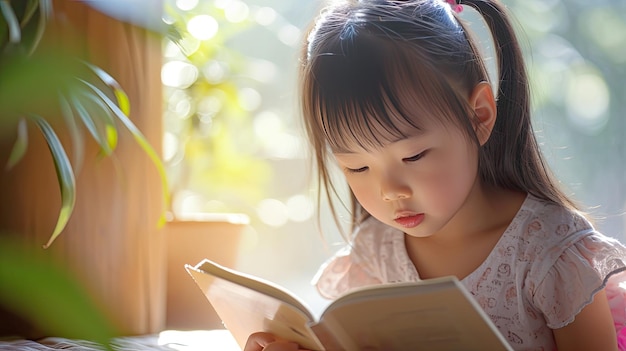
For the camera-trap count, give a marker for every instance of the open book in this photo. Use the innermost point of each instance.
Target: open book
(434, 314)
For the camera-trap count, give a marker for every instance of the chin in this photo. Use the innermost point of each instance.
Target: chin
(416, 233)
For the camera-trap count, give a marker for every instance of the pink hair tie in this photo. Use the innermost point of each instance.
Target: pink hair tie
(455, 7)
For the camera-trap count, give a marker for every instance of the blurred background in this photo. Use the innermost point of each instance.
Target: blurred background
(233, 143)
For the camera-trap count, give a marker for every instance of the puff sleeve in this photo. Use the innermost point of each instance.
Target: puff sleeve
(357, 264)
(584, 267)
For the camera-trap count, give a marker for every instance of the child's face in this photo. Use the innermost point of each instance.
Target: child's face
(416, 184)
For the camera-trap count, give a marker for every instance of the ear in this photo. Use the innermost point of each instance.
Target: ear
(484, 106)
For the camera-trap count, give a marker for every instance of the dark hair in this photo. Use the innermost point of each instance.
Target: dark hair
(364, 60)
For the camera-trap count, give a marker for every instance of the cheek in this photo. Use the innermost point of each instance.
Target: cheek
(367, 191)
(361, 190)
(450, 179)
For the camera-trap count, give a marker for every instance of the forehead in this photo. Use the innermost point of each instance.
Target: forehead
(374, 92)
(368, 119)
(429, 128)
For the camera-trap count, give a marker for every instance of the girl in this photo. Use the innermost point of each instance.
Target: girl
(447, 179)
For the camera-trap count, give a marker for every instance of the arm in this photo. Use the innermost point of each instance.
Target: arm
(591, 330)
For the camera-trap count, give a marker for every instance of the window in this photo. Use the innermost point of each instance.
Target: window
(233, 141)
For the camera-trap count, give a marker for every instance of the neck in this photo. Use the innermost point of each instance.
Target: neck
(487, 211)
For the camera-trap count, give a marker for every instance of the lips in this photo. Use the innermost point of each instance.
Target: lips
(409, 220)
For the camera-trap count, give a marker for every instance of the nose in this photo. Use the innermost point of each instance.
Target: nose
(393, 188)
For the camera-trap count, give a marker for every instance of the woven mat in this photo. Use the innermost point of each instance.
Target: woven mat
(218, 340)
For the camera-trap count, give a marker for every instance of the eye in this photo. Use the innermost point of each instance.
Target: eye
(414, 157)
(356, 170)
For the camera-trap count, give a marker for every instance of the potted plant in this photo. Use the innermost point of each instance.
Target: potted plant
(66, 123)
(80, 99)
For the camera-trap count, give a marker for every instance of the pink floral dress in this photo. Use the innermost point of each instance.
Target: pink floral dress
(545, 268)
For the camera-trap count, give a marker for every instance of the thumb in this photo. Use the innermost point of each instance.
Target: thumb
(282, 346)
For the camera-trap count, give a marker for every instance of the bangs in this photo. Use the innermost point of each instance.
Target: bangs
(375, 93)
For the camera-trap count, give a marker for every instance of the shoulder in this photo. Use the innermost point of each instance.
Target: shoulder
(551, 219)
(358, 263)
(543, 229)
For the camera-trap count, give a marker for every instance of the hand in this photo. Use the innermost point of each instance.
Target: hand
(268, 342)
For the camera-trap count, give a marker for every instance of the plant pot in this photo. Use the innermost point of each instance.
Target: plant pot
(190, 240)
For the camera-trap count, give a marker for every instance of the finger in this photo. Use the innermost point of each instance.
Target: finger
(258, 341)
(282, 346)
(262, 341)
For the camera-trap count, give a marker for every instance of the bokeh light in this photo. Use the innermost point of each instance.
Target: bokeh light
(273, 212)
(215, 71)
(265, 16)
(170, 146)
(263, 71)
(202, 27)
(178, 74)
(236, 11)
(301, 208)
(186, 5)
(588, 102)
(249, 99)
(290, 35)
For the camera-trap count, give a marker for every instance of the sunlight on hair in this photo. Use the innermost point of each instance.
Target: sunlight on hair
(273, 212)
(202, 27)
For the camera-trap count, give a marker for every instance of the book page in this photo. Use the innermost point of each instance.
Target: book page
(247, 305)
(439, 316)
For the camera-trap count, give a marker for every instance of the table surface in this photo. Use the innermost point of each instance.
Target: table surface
(168, 340)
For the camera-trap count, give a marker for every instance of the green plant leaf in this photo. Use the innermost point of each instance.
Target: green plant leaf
(21, 144)
(78, 141)
(85, 116)
(65, 175)
(42, 292)
(45, 6)
(15, 32)
(45, 12)
(31, 8)
(122, 99)
(141, 140)
(105, 115)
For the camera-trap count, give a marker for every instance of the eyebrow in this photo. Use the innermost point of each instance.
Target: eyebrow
(342, 151)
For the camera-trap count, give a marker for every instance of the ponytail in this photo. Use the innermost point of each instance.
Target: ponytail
(513, 164)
